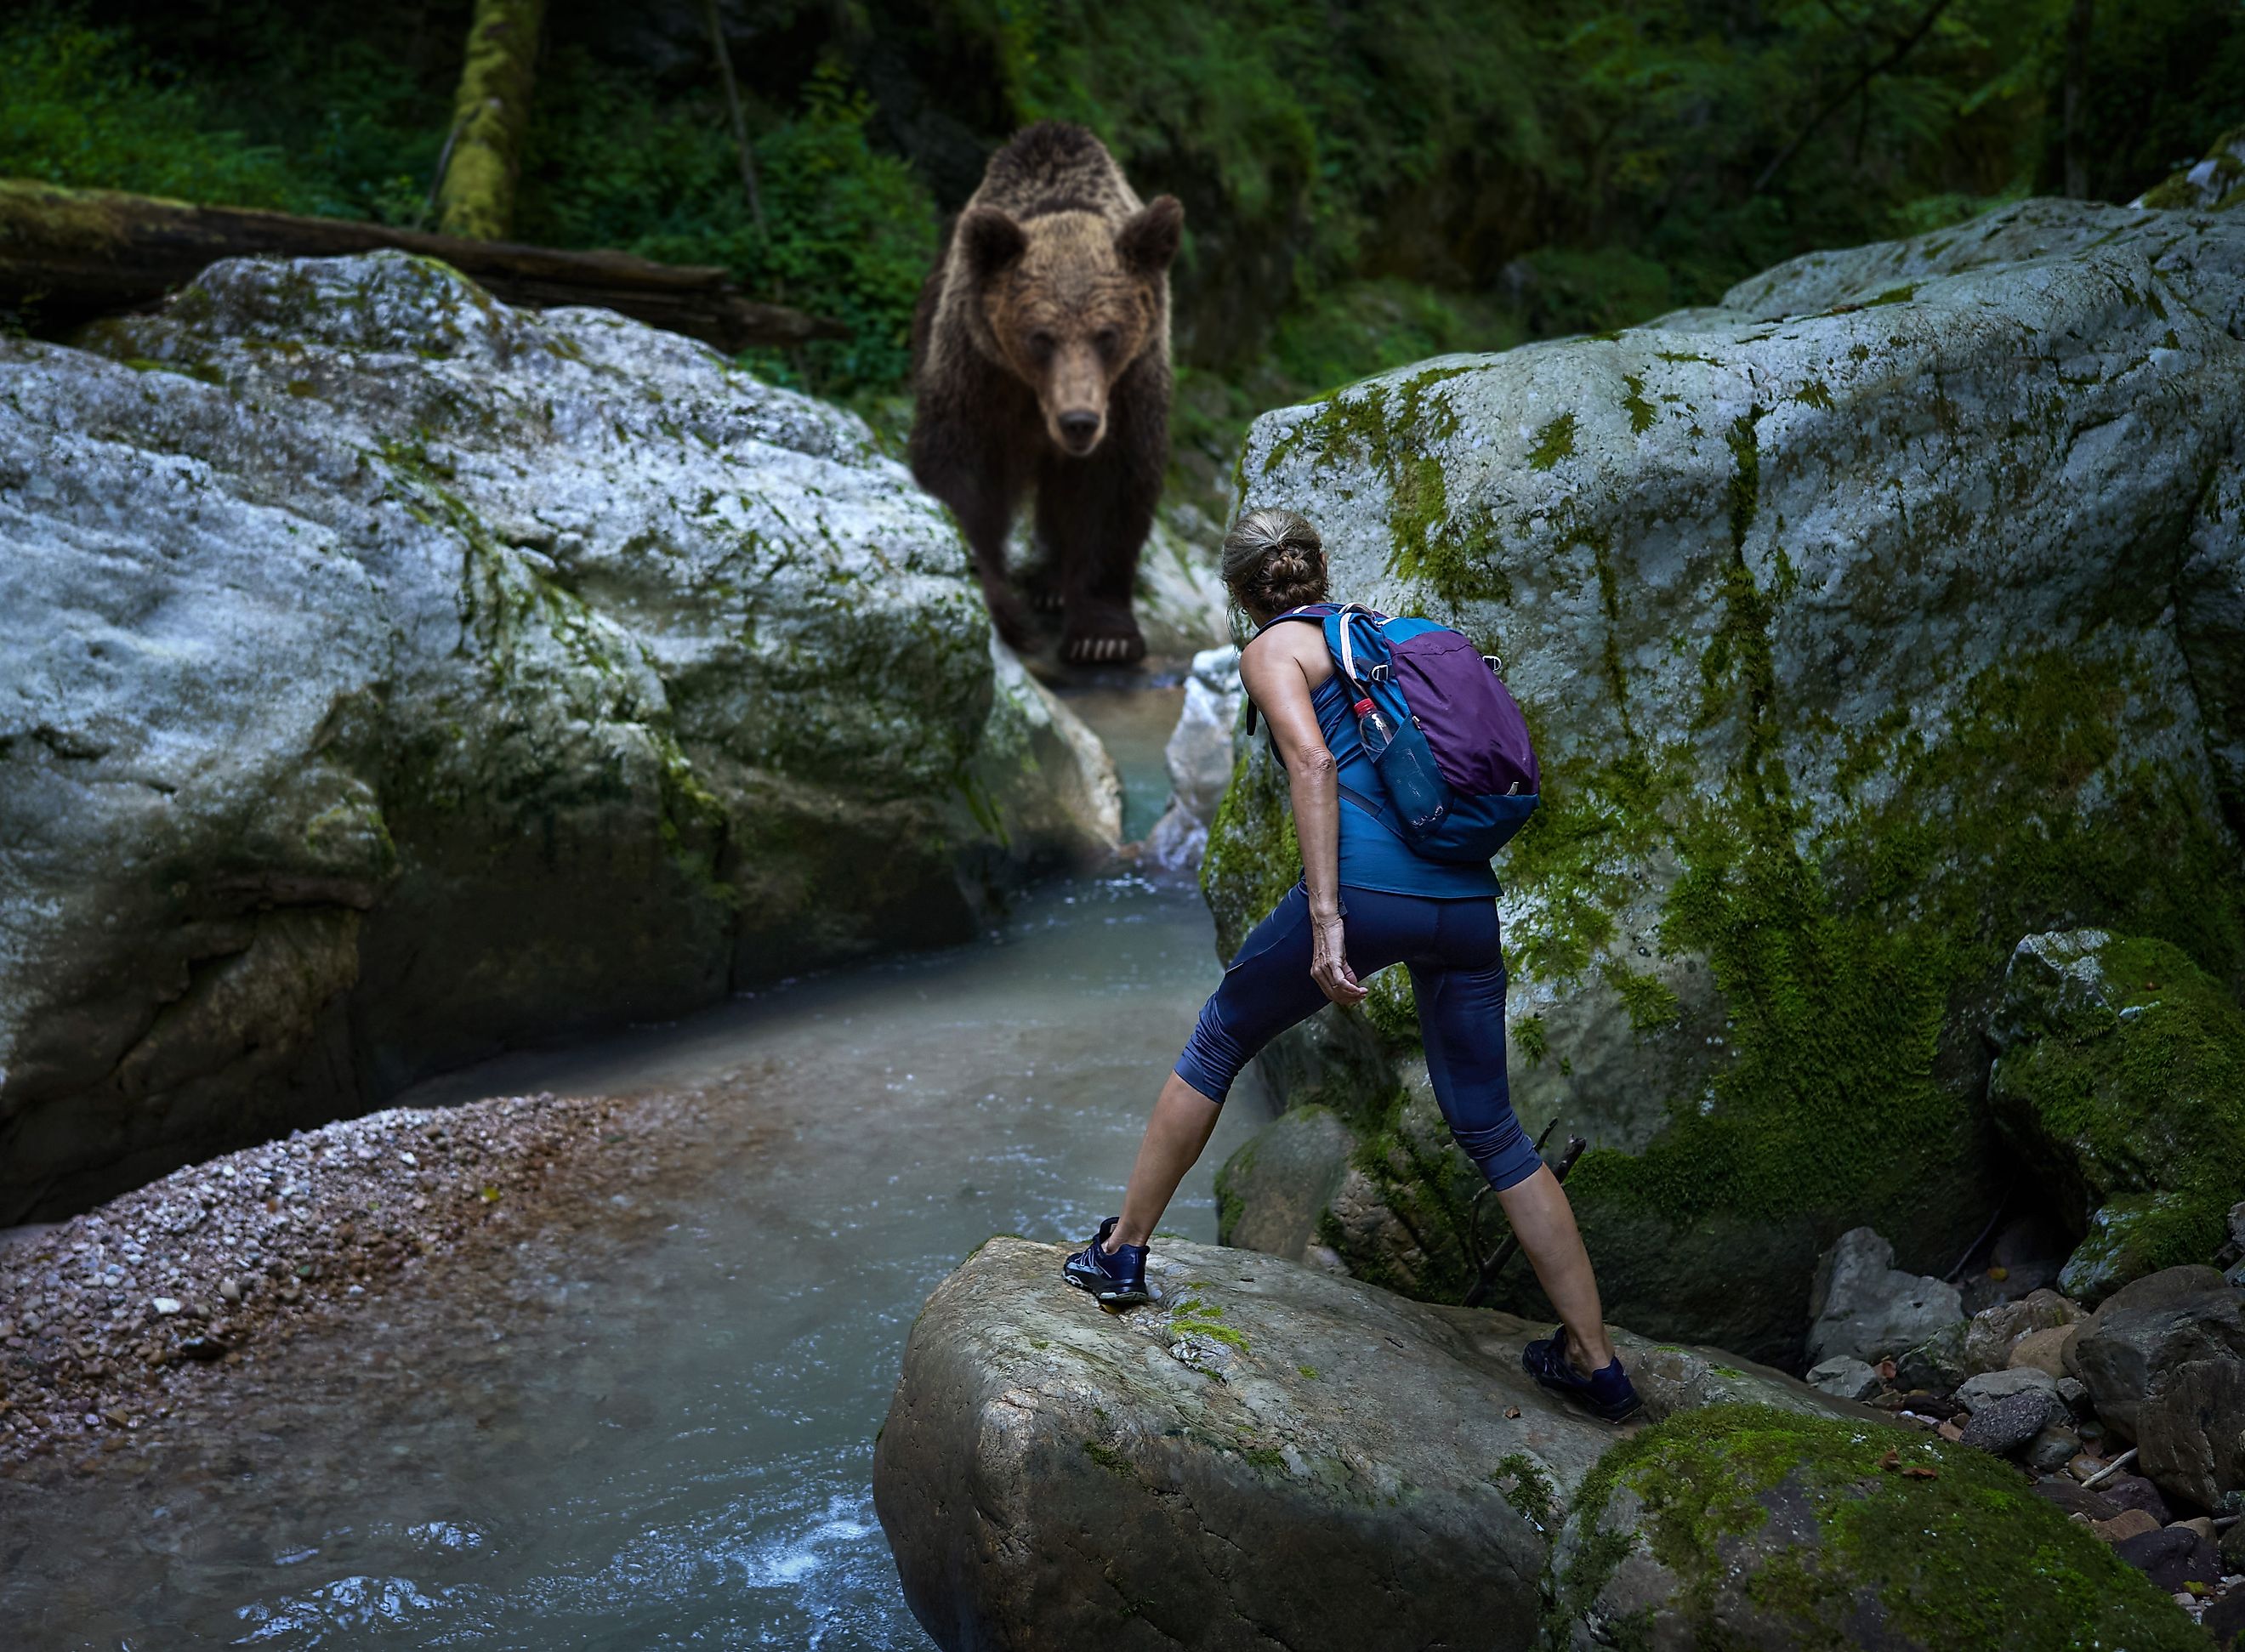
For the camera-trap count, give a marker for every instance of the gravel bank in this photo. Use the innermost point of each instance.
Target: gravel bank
(120, 1322)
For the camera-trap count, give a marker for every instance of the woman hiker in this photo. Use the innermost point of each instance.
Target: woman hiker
(1365, 900)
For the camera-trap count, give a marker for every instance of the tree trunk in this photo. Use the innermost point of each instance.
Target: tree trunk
(2077, 90)
(69, 255)
(741, 145)
(488, 115)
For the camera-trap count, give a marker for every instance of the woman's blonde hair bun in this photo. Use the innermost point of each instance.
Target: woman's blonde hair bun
(1273, 560)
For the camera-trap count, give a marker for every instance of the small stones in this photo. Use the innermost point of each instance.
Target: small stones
(2051, 1450)
(2129, 1522)
(104, 1312)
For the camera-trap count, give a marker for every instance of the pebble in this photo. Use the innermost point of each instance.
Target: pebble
(2005, 1424)
(166, 1306)
(2129, 1522)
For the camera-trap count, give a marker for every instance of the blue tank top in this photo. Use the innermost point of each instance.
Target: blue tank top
(1371, 855)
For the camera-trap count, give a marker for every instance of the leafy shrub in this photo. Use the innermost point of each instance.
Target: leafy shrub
(78, 106)
(849, 233)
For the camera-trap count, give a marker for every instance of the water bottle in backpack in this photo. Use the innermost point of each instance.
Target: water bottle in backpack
(1414, 786)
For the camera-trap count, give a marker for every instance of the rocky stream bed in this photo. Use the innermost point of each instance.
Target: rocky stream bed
(390, 667)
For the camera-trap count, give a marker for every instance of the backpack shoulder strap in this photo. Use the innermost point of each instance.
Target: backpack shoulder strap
(1315, 613)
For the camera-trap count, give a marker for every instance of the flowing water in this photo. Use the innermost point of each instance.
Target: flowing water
(665, 1440)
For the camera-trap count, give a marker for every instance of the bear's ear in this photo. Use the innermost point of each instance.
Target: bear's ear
(991, 240)
(1148, 239)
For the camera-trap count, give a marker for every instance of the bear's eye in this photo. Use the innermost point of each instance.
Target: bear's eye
(1040, 345)
(1106, 339)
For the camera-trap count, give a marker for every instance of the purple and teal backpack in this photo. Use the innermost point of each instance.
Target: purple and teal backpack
(1461, 776)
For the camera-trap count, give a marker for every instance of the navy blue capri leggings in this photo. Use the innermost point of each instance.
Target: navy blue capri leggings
(1453, 949)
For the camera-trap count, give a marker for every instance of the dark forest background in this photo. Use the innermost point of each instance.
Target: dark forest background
(1365, 183)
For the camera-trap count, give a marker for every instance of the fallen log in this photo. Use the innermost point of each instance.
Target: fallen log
(70, 255)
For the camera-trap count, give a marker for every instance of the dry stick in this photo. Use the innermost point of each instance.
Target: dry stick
(443, 159)
(1973, 1250)
(2110, 1469)
(1504, 1252)
(1904, 45)
(1472, 1206)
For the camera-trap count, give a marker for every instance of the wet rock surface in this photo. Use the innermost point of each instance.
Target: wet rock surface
(1199, 760)
(395, 676)
(1880, 552)
(1251, 1459)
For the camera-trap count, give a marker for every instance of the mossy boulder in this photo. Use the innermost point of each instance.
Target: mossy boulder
(2121, 1082)
(2215, 182)
(1742, 1527)
(1267, 1455)
(393, 675)
(1886, 613)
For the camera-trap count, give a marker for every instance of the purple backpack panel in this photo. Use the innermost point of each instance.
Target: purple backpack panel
(1472, 724)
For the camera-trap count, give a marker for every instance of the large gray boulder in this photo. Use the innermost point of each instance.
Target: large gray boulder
(387, 675)
(1890, 611)
(1269, 1455)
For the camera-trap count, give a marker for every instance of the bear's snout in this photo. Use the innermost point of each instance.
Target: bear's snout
(1079, 430)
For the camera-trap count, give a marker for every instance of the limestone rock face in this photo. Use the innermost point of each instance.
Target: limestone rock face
(2121, 1080)
(1880, 616)
(1740, 1528)
(387, 675)
(1252, 1461)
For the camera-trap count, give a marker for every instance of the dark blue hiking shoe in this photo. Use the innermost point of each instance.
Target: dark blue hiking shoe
(1608, 1392)
(1118, 1279)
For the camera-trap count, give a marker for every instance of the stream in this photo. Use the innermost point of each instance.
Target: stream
(665, 1440)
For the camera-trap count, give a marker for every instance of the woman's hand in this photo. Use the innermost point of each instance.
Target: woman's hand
(1329, 961)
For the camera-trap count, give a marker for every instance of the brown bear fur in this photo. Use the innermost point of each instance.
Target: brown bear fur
(1040, 362)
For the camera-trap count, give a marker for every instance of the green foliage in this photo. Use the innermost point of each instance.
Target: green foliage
(1286, 114)
(78, 106)
(1366, 186)
(851, 232)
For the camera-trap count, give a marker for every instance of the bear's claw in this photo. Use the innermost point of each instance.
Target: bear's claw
(1104, 649)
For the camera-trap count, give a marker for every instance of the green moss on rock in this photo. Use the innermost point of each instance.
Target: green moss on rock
(1832, 1533)
(1253, 857)
(2123, 1083)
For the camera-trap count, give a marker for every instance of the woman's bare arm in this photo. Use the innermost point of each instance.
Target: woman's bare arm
(1274, 669)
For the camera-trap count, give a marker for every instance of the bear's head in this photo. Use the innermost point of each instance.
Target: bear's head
(1071, 302)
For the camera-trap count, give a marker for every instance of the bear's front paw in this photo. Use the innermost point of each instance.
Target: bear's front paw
(1106, 641)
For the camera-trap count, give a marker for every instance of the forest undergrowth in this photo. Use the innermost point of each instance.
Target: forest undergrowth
(1366, 185)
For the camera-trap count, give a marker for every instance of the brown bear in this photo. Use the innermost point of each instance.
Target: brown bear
(1040, 361)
